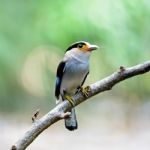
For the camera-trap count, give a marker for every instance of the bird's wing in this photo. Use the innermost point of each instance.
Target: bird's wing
(84, 78)
(59, 76)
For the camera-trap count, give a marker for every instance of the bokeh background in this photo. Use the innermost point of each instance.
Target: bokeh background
(33, 38)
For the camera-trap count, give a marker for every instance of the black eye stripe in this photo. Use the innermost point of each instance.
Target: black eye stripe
(75, 45)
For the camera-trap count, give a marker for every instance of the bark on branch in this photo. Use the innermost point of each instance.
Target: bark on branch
(59, 112)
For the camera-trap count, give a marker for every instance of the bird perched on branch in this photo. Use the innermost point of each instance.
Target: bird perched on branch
(71, 75)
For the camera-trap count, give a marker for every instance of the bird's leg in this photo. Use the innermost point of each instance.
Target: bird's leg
(85, 91)
(68, 98)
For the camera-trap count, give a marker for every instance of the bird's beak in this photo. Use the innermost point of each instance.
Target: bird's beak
(93, 47)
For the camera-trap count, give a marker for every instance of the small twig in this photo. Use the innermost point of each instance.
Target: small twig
(35, 115)
(65, 115)
(122, 69)
(59, 111)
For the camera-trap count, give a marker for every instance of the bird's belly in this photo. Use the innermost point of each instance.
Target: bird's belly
(73, 77)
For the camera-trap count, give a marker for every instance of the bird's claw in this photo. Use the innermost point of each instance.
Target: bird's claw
(69, 99)
(85, 91)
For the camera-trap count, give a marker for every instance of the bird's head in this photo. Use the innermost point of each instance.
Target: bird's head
(82, 46)
(80, 51)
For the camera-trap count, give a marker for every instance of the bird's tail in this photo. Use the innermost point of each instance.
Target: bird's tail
(71, 122)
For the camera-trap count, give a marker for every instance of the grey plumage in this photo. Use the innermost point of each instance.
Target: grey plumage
(76, 68)
(71, 74)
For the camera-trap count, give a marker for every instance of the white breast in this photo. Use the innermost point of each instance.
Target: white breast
(75, 72)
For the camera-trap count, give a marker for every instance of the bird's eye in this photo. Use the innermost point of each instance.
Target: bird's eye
(80, 45)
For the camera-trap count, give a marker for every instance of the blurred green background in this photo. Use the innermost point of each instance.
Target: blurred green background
(34, 35)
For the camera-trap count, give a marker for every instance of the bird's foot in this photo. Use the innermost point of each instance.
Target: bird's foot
(85, 91)
(69, 99)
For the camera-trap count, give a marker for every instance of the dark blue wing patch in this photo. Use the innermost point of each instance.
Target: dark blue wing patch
(59, 76)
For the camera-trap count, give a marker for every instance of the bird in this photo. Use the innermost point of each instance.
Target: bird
(71, 74)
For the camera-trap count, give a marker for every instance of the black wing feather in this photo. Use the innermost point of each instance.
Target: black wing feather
(85, 78)
(59, 75)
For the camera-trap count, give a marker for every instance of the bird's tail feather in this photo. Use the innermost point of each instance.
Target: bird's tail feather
(71, 122)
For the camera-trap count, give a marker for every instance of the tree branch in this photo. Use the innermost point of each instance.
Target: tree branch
(59, 112)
